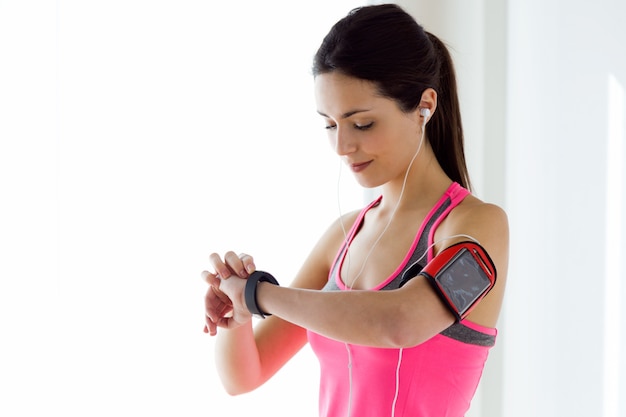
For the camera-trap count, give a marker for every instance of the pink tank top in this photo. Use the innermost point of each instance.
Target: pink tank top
(437, 378)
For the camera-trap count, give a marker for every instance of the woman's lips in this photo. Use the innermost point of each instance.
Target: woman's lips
(360, 166)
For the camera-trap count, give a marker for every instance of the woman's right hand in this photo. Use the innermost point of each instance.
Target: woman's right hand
(224, 301)
(241, 265)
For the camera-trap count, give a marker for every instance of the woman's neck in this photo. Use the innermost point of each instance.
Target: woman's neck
(425, 183)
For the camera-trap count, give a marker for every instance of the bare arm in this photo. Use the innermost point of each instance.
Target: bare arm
(247, 356)
(397, 318)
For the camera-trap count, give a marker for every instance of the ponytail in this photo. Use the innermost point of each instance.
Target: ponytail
(445, 130)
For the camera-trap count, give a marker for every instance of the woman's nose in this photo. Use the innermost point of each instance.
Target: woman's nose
(345, 143)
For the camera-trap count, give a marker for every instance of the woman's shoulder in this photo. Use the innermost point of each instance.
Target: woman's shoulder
(325, 250)
(473, 209)
(477, 218)
(339, 229)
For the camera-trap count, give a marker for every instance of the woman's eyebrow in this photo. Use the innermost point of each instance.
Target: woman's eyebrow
(345, 115)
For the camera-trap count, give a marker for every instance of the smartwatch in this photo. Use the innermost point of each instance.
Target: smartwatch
(250, 291)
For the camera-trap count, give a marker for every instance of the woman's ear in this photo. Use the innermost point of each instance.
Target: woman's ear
(428, 102)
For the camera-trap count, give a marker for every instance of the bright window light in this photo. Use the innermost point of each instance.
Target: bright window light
(614, 246)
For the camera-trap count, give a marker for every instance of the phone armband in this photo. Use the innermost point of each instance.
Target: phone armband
(462, 275)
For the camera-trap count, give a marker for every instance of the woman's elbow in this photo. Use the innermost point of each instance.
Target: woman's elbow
(411, 328)
(236, 389)
(405, 338)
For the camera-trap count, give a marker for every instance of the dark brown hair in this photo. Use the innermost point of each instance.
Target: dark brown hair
(385, 45)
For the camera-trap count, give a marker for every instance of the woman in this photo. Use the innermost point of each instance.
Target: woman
(387, 342)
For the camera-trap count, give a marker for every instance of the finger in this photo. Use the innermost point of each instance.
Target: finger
(235, 264)
(219, 266)
(224, 310)
(248, 262)
(225, 323)
(210, 328)
(210, 278)
(217, 304)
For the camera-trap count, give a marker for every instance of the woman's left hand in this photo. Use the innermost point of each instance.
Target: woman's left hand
(217, 304)
(225, 303)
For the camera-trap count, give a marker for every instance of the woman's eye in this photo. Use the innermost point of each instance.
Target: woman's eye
(364, 127)
(356, 126)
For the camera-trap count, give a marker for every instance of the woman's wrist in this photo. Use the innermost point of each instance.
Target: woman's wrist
(262, 295)
(253, 284)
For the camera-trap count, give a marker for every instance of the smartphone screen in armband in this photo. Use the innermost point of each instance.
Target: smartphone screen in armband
(463, 281)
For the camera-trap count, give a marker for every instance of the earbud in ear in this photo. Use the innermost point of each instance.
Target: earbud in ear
(425, 112)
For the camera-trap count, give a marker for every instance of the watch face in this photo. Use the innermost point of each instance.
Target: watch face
(463, 281)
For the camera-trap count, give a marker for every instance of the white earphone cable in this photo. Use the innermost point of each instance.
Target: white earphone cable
(395, 395)
(393, 213)
(347, 254)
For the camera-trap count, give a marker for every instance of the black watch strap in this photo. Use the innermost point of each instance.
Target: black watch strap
(250, 291)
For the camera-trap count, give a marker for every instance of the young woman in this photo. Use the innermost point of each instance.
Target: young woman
(387, 342)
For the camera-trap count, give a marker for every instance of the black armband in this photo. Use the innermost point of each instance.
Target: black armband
(250, 291)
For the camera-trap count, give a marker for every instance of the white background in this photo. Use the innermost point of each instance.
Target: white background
(138, 137)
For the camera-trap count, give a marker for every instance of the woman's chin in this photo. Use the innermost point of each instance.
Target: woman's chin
(367, 183)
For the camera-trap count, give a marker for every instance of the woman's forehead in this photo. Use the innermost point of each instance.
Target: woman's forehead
(339, 94)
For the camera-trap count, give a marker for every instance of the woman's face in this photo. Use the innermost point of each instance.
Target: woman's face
(370, 133)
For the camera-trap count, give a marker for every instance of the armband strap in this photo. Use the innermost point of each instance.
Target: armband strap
(462, 275)
(250, 291)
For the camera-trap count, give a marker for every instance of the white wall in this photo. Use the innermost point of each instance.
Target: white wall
(542, 93)
(136, 137)
(567, 228)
